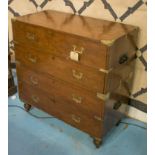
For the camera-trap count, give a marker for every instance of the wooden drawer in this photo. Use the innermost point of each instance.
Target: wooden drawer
(75, 96)
(30, 35)
(61, 44)
(66, 70)
(90, 52)
(59, 108)
(70, 66)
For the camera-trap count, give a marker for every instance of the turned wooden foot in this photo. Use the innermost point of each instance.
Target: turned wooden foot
(27, 107)
(118, 122)
(117, 105)
(97, 142)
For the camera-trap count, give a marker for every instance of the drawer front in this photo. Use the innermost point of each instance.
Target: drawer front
(30, 35)
(66, 70)
(57, 107)
(88, 52)
(75, 96)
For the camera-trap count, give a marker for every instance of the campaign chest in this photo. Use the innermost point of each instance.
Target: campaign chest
(70, 66)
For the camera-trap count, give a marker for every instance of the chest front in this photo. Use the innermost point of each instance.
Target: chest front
(68, 67)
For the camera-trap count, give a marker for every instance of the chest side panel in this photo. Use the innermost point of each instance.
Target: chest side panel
(122, 50)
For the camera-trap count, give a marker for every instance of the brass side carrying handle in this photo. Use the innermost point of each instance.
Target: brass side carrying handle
(35, 98)
(34, 80)
(123, 59)
(30, 36)
(32, 59)
(77, 75)
(77, 99)
(76, 119)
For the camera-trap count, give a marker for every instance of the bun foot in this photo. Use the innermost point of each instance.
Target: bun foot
(97, 142)
(27, 107)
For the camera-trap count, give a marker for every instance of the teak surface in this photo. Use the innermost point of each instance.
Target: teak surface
(78, 25)
(61, 109)
(63, 69)
(51, 85)
(51, 81)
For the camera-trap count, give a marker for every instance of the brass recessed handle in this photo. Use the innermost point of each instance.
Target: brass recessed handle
(77, 99)
(34, 80)
(30, 36)
(77, 75)
(76, 119)
(32, 59)
(75, 54)
(35, 98)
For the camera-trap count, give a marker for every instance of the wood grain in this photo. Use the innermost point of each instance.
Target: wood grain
(65, 90)
(51, 80)
(59, 108)
(63, 69)
(95, 29)
(95, 54)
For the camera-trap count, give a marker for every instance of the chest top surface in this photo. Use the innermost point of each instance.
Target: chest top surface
(95, 29)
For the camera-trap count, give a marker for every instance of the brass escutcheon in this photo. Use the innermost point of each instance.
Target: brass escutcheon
(77, 75)
(76, 119)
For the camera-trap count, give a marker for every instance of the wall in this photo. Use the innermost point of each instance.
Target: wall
(132, 12)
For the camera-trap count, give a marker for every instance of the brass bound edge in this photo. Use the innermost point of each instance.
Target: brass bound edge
(108, 42)
(96, 138)
(17, 62)
(103, 97)
(98, 118)
(13, 19)
(105, 70)
(15, 42)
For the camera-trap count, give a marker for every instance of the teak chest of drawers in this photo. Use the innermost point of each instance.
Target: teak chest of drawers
(70, 67)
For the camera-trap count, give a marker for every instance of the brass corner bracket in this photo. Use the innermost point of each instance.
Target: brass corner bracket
(108, 42)
(105, 70)
(13, 19)
(103, 97)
